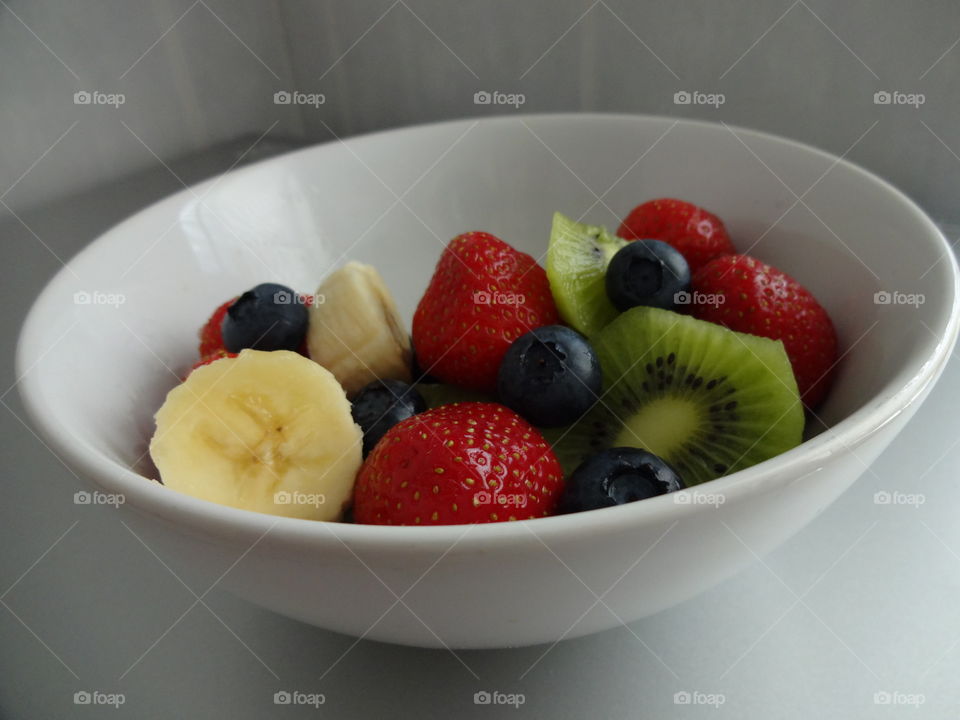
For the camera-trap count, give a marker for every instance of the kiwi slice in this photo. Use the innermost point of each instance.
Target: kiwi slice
(708, 400)
(577, 260)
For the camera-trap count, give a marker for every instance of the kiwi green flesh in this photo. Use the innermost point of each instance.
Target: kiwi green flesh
(708, 400)
(577, 260)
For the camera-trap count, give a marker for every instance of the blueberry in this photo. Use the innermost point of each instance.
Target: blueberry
(381, 405)
(618, 476)
(647, 272)
(268, 317)
(551, 376)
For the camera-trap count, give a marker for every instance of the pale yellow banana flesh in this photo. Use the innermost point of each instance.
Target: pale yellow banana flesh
(355, 330)
(265, 431)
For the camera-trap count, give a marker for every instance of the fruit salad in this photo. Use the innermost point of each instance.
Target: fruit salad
(632, 365)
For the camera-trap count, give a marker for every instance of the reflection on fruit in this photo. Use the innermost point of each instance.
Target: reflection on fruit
(647, 272)
(699, 235)
(618, 476)
(483, 295)
(268, 317)
(464, 463)
(551, 376)
(753, 297)
(381, 405)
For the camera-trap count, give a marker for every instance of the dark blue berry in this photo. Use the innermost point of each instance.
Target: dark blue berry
(551, 376)
(647, 272)
(268, 317)
(381, 405)
(617, 476)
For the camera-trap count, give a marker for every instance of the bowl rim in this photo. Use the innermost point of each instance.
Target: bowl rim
(208, 517)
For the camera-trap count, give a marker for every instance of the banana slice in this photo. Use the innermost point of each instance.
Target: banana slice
(355, 330)
(264, 431)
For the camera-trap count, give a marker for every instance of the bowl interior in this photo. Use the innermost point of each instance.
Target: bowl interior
(116, 329)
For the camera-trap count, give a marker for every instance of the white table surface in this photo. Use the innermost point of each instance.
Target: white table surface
(865, 600)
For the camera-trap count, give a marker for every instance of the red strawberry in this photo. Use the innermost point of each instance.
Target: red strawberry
(464, 463)
(697, 234)
(211, 337)
(760, 300)
(483, 295)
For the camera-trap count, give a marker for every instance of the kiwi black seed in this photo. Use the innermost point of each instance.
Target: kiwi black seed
(708, 400)
(577, 260)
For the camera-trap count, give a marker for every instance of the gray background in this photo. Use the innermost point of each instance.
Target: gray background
(862, 602)
(199, 72)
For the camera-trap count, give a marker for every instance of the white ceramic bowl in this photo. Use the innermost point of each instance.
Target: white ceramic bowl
(94, 372)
